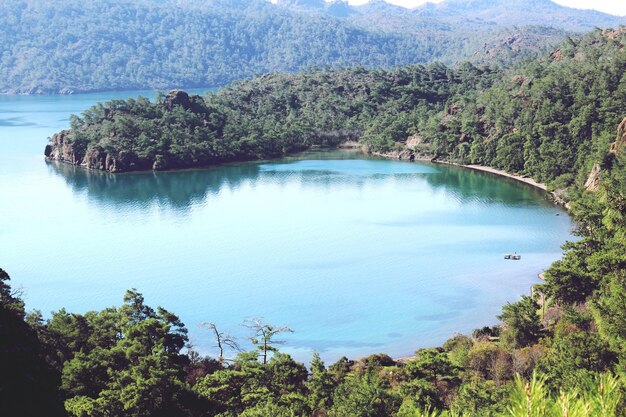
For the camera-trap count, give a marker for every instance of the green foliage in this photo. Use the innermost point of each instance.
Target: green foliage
(265, 117)
(480, 398)
(364, 395)
(601, 398)
(530, 399)
(28, 386)
(122, 361)
(123, 44)
(434, 366)
(458, 349)
(521, 323)
(568, 281)
(548, 118)
(611, 312)
(249, 383)
(269, 409)
(320, 385)
(489, 361)
(341, 369)
(10, 302)
(575, 356)
(551, 118)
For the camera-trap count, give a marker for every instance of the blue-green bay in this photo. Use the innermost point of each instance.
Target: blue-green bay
(357, 255)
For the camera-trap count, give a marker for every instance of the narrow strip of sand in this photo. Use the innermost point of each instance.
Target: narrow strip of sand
(526, 180)
(558, 199)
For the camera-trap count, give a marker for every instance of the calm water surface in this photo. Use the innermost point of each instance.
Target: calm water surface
(356, 255)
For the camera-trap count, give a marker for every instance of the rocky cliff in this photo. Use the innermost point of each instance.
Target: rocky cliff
(595, 177)
(68, 147)
(63, 148)
(415, 148)
(617, 147)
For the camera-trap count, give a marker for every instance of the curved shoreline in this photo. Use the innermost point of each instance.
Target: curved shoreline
(526, 180)
(502, 173)
(482, 168)
(490, 170)
(556, 197)
(499, 172)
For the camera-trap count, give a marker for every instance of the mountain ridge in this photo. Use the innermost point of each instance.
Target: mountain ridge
(544, 12)
(161, 44)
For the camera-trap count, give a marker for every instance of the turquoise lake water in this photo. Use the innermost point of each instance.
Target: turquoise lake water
(356, 255)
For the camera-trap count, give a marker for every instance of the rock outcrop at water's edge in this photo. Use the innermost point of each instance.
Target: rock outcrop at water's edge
(178, 131)
(414, 149)
(65, 147)
(62, 149)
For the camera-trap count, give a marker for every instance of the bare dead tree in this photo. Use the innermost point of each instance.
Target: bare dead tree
(18, 292)
(224, 341)
(264, 334)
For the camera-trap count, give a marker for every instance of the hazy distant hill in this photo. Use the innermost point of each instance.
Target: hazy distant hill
(482, 13)
(71, 46)
(518, 12)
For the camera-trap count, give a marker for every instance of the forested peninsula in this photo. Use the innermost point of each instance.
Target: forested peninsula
(560, 352)
(550, 118)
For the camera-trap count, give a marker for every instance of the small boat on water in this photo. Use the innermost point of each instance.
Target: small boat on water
(513, 256)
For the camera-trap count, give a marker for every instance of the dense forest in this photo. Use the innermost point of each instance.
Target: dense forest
(262, 118)
(75, 46)
(558, 352)
(550, 118)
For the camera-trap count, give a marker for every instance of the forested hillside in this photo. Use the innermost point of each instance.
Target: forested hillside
(266, 117)
(479, 14)
(549, 118)
(74, 46)
(518, 12)
(125, 45)
(560, 352)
